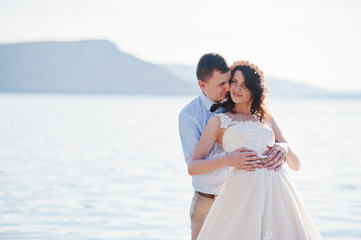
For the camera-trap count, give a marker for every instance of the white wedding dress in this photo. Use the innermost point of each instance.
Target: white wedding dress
(259, 205)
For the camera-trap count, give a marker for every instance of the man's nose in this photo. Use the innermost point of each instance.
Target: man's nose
(227, 86)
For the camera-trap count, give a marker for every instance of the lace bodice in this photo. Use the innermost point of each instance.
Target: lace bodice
(253, 135)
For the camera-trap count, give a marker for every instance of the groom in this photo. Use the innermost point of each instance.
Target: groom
(213, 75)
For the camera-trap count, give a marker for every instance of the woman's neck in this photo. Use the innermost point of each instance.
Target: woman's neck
(242, 109)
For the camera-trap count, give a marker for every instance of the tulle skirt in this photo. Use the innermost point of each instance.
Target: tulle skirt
(260, 205)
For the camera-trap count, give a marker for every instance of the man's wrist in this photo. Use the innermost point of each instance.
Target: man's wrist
(226, 159)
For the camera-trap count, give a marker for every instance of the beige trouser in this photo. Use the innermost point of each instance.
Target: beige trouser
(199, 210)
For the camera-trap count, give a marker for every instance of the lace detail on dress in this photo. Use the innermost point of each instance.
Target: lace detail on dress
(249, 134)
(225, 120)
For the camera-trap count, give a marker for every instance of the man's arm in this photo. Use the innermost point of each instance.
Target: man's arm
(189, 133)
(197, 164)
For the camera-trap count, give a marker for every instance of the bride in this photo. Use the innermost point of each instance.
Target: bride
(259, 204)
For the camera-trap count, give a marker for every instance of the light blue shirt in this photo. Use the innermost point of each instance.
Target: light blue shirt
(192, 120)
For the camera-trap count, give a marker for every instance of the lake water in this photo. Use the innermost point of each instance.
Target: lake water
(111, 167)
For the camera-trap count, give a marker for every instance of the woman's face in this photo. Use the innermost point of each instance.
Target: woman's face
(238, 90)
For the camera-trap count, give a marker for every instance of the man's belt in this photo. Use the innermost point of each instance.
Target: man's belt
(207, 195)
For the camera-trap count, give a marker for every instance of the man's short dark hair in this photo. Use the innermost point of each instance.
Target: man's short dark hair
(210, 62)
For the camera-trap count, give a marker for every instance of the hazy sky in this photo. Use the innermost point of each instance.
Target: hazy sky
(309, 41)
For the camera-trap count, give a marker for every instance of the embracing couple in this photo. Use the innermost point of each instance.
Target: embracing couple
(235, 150)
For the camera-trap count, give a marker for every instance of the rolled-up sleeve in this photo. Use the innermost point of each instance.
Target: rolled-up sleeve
(189, 133)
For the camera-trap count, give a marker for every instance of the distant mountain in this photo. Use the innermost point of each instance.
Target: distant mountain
(283, 88)
(98, 66)
(277, 87)
(94, 66)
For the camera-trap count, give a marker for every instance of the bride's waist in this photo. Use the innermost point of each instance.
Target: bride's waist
(260, 150)
(260, 171)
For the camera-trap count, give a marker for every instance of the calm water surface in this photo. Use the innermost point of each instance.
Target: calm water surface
(111, 167)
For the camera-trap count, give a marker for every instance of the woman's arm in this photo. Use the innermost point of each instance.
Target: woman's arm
(198, 165)
(291, 158)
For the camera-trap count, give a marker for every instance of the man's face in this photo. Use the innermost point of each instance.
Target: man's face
(217, 86)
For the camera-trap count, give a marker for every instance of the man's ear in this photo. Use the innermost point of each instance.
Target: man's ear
(201, 84)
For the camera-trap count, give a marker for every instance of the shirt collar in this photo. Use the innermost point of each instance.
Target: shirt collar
(206, 101)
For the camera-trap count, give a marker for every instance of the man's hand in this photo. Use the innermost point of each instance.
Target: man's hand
(276, 156)
(243, 158)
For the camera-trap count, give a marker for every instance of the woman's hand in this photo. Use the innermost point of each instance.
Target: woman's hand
(276, 156)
